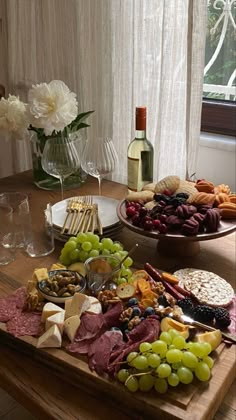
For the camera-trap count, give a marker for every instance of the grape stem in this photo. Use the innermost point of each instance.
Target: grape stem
(137, 374)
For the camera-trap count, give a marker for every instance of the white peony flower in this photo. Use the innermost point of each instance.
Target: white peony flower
(52, 106)
(13, 116)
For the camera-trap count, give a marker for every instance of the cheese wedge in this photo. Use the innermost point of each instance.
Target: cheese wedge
(57, 266)
(95, 306)
(56, 319)
(71, 325)
(50, 309)
(51, 338)
(79, 304)
(40, 274)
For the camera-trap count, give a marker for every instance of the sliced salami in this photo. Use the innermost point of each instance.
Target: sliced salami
(26, 323)
(12, 305)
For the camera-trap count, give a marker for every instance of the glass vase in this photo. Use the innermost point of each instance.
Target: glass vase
(45, 181)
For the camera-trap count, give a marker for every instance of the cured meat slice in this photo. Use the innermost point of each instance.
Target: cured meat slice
(112, 315)
(26, 323)
(12, 305)
(100, 350)
(147, 330)
(8, 310)
(90, 326)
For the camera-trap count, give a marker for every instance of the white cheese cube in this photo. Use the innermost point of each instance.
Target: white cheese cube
(71, 325)
(79, 304)
(50, 309)
(51, 338)
(56, 319)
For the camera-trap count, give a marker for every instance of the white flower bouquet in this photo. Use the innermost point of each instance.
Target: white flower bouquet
(51, 111)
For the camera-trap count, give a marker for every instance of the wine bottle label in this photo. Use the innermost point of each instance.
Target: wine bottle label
(133, 173)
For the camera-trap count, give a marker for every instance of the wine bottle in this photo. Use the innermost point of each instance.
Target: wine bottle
(140, 155)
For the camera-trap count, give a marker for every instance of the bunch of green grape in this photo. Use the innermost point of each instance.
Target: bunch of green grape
(165, 363)
(85, 245)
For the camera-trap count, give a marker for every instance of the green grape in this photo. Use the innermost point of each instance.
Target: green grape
(64, 259)
(173, 333)
(206, 348)
(93, 253)
(70, 246)
(185, 375)
(189, 360)
(131, 357)
(117, 255)
(176, 366)
(173, 379)
(146, 382)
(209, 361)
(161, 385)
(116, 247)
(122, 375)
(86, 246)
(144, 347)
(197, 349)
(132, 384)
(72, 239)
(83, 255)
(154, 360)
(202, 372)
(93, 238)
(74, 255)
(123, 254)
(97, 245)
(140, 362)
(159, 347)
(171, 347)
(165, 336)
(179, 342)
(107, 243)
(81, 237)
(126, 272)
(121, 280)
(164, 370)
(105, 251)
(174, 356)
(128, 262)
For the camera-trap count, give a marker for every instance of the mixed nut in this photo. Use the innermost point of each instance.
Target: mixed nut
(62, 284)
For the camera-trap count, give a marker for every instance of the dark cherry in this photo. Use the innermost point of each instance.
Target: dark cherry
(143, 211)
(138, 206)
(163, 218)
(136, 220)
(156, 223)
(163, 228)
(148, 225)
(162, 203)
(131, 211)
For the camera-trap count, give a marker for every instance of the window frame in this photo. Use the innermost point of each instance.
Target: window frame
(218, 116)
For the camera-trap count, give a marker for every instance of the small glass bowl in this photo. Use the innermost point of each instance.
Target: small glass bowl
(60, 299)
(100, 271)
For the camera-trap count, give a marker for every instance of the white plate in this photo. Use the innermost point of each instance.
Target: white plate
(106, 210)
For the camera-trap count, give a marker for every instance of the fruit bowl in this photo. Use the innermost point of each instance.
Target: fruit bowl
(174, 243)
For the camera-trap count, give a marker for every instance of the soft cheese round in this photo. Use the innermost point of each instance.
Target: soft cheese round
(207, 287)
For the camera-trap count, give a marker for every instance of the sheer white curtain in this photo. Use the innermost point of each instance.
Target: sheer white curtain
(116, 54)
(144, 52)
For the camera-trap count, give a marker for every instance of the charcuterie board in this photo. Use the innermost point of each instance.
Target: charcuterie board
(200, 400)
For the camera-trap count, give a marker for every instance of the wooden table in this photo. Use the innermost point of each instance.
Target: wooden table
(34, 385)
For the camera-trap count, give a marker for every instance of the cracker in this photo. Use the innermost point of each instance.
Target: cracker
(207, 287)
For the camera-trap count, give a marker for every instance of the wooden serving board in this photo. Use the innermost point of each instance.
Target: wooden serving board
(198, 400)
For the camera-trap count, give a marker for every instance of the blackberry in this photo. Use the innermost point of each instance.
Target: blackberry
(163, 301)
(186, 305)
(182, 195)
(222, 318)
(204, 313)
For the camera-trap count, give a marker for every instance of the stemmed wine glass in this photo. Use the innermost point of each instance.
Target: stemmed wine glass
(99, 158)
(60, 158)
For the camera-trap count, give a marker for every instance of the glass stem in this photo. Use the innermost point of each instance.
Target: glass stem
(62, 186)
(100, 185)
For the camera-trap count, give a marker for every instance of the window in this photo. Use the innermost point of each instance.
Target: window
(219, 89)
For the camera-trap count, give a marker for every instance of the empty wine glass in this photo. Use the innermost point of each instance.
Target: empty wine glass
(60, 158)
(99, 158)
